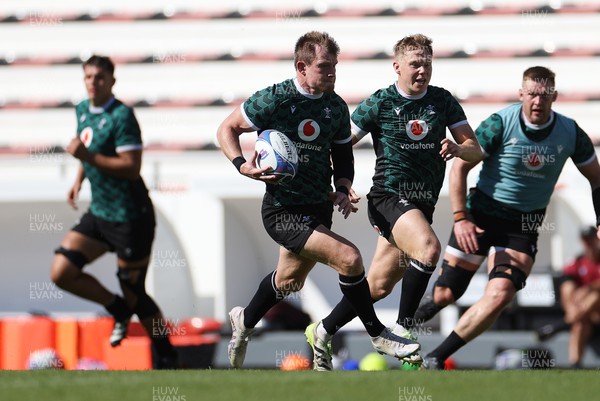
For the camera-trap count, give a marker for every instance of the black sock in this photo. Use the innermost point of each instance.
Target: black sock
(356, 290)
(341, 315)
(449, 346)
(414, 285)
(119, 309)
(162, 345)
(266, 296)
(426, 311)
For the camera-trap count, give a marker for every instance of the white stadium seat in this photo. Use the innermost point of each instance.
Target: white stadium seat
(239, 36)
(23, 6)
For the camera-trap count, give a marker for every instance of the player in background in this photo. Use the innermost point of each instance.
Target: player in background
(526, 146)
(408, 122)
(121, 216)
(316, 119)
(579, 298)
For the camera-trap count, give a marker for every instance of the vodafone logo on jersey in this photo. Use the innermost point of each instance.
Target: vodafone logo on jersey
(416, 129)
(308, 130)
(86, 136)
(536, 157)
(533, 161)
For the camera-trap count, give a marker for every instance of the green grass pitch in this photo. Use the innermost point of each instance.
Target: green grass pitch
(266, 385)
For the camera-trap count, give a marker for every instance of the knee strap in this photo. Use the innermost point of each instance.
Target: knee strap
(145, 306)
(133, 279)
(75, 257)
(513, 273)
(456, 278)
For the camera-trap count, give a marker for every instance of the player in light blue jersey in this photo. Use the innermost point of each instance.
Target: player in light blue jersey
(526, 146)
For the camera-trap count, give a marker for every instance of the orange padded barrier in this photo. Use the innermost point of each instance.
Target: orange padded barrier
(134, 353)
(23, 335)
(93, 335)
(67, 337)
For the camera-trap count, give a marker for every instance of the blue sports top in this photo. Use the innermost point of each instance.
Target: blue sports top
(521, 172)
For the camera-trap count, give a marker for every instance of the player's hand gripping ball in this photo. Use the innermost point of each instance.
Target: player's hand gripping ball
(277, 151)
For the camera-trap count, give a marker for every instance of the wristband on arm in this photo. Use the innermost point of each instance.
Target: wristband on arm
(238, 161)
(343, 189)
(460, 216)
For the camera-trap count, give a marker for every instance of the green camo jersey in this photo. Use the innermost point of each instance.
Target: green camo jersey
(109, 130)
(407, 131)
(313, 123)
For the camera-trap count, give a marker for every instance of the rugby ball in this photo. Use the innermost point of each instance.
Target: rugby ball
(277, 151)
(46, 358)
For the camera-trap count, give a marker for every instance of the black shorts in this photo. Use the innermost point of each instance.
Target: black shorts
(290, 226)
(131, 240)
(500, 233)
(385, 208)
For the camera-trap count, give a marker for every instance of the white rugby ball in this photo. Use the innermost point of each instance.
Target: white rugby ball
(277, 151)
(46, 358)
